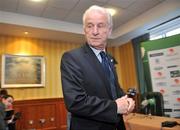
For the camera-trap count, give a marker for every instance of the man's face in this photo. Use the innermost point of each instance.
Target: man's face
(97, 29)
(8, 102)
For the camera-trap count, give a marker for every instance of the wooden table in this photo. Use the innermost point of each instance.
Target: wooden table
(136, 121)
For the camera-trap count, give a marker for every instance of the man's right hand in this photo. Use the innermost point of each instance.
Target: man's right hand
(124, 105)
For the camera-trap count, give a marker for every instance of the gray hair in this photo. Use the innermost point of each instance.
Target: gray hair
(98, 8)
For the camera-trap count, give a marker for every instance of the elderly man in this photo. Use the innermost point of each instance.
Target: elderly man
(90, 84)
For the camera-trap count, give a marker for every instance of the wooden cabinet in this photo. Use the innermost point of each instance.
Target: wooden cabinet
(43, 114)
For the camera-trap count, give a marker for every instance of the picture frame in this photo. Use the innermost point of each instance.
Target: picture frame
(22, 71)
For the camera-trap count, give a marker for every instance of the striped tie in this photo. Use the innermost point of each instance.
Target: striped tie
(109, 74)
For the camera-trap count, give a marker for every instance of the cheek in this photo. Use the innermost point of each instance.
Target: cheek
(88, 36)
(105, 34)
(86, 33)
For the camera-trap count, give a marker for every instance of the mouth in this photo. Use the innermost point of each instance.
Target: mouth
(95, 38)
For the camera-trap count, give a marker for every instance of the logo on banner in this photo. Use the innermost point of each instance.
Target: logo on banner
(178, 99)
(172, 66)
(166, 102)
(177, 81)
(162, 91)
(156, 54)
(161, 84)
(158, 68)
(157, 61)
(159, 75)
(175, 73)
(171, 52)
(177, 102)
(177, 92)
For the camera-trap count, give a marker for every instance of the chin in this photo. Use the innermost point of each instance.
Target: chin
(95, 44)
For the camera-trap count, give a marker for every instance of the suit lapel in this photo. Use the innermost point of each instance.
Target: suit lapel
(112, 67)
(93, 60)
(119, 91)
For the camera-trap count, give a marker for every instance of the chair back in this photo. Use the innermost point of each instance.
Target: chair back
(156, 108)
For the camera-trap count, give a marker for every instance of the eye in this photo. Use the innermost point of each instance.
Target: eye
(101, 25)
(89, 25)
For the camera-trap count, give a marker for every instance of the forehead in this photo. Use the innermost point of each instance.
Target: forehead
(96, 16)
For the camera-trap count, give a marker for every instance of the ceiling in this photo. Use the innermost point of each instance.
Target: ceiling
(62, 19)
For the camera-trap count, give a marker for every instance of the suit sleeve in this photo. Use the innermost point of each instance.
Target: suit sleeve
(77, 101)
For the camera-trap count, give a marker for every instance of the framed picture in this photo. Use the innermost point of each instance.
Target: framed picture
(22, 71)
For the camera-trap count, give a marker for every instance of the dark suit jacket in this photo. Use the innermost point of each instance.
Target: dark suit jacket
(87, 93)
(2, 116)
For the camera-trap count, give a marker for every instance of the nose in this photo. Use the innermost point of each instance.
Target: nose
(95, 30)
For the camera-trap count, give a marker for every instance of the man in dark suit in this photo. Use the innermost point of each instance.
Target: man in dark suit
(90, 88)
(5, 103)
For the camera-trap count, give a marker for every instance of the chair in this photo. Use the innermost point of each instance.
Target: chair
(155, 108)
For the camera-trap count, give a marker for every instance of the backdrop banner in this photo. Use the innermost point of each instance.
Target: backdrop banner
(165, 77)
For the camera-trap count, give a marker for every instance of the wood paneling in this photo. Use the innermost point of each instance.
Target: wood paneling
(41, 114)
(51, 50)
(63, 117)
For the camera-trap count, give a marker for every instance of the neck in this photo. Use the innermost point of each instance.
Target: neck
(101, 48)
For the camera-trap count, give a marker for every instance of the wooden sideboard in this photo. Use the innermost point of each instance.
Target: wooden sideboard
(135, 121)
(41, 114)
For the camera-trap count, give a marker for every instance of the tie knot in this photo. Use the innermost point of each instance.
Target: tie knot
(103, 54)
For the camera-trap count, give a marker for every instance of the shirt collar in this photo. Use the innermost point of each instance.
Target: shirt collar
(96, 52)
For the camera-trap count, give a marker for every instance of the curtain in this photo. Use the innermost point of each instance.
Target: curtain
(136, 42)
